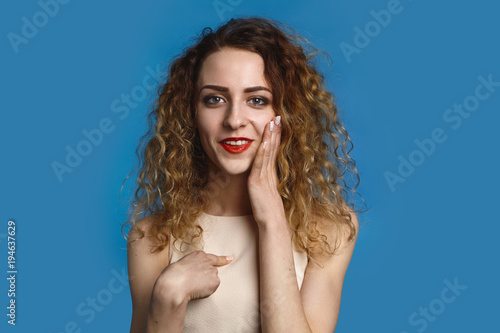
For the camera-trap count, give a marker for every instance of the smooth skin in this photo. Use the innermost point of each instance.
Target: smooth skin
(235, 106)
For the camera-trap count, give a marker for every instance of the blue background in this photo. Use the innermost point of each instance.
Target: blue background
(439, 225)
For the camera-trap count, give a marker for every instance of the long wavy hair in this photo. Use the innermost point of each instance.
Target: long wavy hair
(313, 161)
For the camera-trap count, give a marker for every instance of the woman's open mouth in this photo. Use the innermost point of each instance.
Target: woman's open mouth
(236, 146)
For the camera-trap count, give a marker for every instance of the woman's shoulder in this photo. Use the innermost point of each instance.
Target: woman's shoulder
(143, 236)
(144, 267)
(340, 233)
(347, 221)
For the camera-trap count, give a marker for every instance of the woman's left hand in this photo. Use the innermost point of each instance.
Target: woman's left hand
(267, 205)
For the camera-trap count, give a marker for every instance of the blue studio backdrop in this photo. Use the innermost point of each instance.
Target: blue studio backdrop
(417, 84)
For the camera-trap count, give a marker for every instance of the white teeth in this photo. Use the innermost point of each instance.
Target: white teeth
(237, 143)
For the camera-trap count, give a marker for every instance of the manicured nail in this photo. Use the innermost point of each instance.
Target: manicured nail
(229, 258)
(264, 146)
(271, 126)
(277, 120)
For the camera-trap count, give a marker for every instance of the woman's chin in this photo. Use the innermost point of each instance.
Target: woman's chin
(236, 169)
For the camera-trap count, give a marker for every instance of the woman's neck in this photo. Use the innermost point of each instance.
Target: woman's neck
(228, 194)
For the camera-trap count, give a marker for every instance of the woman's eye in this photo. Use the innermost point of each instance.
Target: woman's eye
(259, 101)
(212, 100)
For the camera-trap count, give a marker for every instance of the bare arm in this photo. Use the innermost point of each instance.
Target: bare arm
(284, 308)
(161, 290)
(281, 307)
(322, 287)
(166, 317)
(144, 268)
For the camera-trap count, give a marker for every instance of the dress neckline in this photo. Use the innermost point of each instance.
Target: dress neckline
(226, 216)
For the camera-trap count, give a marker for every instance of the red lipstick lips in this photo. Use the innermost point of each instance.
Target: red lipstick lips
(231, 145)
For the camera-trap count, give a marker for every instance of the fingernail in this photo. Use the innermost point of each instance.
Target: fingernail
(229, 258)
(271, 126)
(264, 147)
(277, 120)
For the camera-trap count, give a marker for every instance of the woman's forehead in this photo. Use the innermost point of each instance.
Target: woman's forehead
(232, 67)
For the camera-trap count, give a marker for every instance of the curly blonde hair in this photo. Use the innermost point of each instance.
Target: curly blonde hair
(312, 163)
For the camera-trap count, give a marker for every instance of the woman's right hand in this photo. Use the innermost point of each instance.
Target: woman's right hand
(194, 276)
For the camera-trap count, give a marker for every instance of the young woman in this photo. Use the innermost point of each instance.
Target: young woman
(241, 220)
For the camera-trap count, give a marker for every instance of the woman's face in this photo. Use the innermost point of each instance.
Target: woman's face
(233, 103)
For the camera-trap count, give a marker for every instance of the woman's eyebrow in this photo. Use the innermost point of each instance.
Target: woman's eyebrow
(257, 88)
(224, 89)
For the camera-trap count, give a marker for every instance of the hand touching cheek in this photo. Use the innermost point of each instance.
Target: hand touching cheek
(267, 205)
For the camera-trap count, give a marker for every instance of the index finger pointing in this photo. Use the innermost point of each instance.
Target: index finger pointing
(220, 260)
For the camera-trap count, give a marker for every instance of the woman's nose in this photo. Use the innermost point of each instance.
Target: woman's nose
(235, 116)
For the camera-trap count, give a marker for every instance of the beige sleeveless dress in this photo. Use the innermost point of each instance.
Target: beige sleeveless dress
(234, 306)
